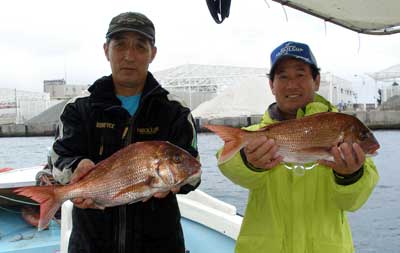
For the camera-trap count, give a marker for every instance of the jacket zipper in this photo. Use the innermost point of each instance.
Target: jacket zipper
(128, 133)
(102, 145)
(126, 137)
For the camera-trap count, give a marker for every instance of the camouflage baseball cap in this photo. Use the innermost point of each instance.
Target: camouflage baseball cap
(131, 22)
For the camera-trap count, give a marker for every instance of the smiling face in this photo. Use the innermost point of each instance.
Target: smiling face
(130, 55)
(293, 85)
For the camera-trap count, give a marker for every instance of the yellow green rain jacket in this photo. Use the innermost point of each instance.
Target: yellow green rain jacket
(290, 213)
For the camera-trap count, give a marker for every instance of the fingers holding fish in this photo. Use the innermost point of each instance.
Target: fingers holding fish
(348, 158)
(86, 203)
(161, 195)
(83, 168)
(175, 189)
(254, 144)
(274, 162)
(263, 153)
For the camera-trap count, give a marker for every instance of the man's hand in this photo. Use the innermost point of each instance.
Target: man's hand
(160, 195)
(262, 153)
(83, 168)
(347, 159)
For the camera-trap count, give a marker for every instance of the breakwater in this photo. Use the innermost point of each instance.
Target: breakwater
(373, 119)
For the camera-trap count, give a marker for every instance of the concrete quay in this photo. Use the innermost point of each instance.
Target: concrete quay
(22, 130)
(373, 119)
(379, 119)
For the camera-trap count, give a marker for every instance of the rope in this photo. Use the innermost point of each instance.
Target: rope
(19, 201)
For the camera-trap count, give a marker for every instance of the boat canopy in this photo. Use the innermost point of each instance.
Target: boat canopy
(363, 16)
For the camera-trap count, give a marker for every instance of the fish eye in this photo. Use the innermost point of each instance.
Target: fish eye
(177, 158)
(363, 136)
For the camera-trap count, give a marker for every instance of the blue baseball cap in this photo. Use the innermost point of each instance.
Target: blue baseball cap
(293, 49)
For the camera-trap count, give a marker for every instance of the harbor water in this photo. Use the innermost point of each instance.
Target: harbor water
(375, 227)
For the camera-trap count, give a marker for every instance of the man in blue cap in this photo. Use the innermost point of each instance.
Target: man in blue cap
(288, 212)
(125, 107)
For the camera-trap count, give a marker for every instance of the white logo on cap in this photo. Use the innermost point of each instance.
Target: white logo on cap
(289, 48)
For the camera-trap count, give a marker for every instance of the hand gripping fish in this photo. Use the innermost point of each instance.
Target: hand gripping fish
(303, 140)
(132, 174)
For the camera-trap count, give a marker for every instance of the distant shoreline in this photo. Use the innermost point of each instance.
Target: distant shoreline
(373, 119)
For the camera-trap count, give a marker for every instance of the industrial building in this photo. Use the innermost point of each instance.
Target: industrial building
(60, 90)
(17, 106)
(388, 81)
(196, 84)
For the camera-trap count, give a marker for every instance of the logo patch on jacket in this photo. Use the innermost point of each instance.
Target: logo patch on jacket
(148, 130)
(105, 125)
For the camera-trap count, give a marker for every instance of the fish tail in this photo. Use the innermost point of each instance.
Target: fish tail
(233, 138)
(5, 169)
(48, 199)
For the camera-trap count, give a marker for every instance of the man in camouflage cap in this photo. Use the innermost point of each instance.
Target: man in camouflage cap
(125, 107)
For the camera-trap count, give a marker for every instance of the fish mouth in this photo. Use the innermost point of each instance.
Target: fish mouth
(191, 178)
(196, 174)
(373, 149)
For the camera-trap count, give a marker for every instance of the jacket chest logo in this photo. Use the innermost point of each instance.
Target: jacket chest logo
(148, 130)
(105, 125)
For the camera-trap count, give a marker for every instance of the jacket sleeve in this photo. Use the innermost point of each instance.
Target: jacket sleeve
(236, 170)
(70, 146)
(352, 197)
(183, 134)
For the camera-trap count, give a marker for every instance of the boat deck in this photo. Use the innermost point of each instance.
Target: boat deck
(17, 236)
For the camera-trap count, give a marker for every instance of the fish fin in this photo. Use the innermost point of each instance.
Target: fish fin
(141, 199)
(144, 199)
(102, 207)
(47, 198)
(233, 138)
(135, 187)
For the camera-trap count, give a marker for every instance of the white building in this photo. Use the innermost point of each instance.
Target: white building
(59, 89)
(18, 106)
(337, 90)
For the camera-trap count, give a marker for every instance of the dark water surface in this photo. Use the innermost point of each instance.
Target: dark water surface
(376, 226)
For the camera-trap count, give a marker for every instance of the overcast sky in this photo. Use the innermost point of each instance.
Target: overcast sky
(45, 39)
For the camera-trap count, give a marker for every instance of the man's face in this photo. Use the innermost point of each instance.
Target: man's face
(129, 54)
(293, 85)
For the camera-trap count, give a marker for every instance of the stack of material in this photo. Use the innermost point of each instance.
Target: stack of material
(50, 116)
(250, 97)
